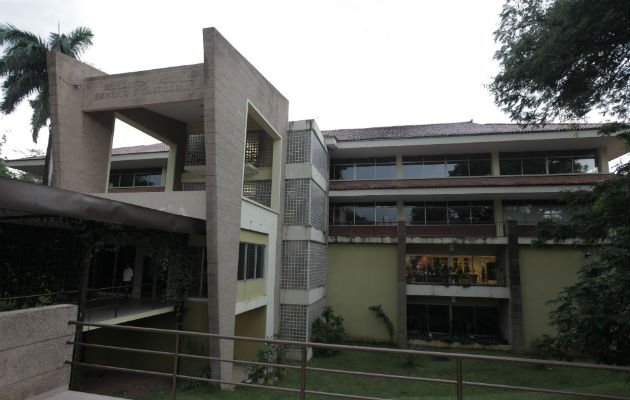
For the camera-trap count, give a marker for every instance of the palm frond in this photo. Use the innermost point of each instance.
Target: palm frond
(10, 34)
(41, 112)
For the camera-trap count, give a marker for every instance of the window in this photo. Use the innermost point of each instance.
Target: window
(529, 212)
(423, 319)
(449, 212)
(453, 270)
(362, 214)
(135, 177)
(364, 168)
(530, 163)
(442, 166)
(251, 261)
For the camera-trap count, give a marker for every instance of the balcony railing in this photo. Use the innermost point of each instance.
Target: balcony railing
(453, 278)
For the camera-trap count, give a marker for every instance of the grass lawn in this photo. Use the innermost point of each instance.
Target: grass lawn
(571, 379)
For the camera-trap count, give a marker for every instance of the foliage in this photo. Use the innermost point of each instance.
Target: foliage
(269, 353)
(562, 59)
(378, 309)
(25, 68)
(328, 329)
(546, 347)
(592, 315)
(23, 176)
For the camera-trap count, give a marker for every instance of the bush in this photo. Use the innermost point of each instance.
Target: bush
(328, 328)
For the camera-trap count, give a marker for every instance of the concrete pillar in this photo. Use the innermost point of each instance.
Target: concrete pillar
(399, 166)
(402, 284)
(81, 141)
(602, 160)
(516, 304)
(496, 170)
(498, 217)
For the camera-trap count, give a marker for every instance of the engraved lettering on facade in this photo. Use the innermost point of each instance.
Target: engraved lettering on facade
(135, 88)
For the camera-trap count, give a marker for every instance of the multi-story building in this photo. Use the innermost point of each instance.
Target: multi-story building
(432, 222)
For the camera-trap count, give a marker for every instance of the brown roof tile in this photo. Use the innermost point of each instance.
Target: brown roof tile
(449, 129)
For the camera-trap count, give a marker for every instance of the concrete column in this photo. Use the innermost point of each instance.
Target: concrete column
(81, 141)
(402, 284)
(498, 217)
(169, 182)
(399, 167)
(496, 170)
(602, 160)
(516, 304)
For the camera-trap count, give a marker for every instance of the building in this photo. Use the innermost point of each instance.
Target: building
(432, 222)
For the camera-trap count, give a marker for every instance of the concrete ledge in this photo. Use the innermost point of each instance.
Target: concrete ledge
(33, 350)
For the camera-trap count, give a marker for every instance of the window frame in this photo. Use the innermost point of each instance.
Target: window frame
(260, 254)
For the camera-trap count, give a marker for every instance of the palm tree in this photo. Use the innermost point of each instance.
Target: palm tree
(24, 66)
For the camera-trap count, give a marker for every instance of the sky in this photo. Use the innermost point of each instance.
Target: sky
(345, 63)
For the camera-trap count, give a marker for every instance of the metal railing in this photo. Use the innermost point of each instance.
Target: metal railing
(112, 297)
(303, 368)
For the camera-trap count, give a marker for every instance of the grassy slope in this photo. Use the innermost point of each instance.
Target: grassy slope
(572, 379)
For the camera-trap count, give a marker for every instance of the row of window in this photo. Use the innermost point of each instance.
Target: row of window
(548, 163)
(455, 269)
(416, 213)
(525, 212)
(135, 177)
(442, 166)
(251, 261)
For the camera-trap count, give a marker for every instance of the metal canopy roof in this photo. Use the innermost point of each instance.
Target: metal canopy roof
(45, 200)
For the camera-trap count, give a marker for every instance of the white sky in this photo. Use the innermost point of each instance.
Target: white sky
(346, 63)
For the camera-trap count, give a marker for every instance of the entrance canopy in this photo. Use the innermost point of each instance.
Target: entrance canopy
(22, 199)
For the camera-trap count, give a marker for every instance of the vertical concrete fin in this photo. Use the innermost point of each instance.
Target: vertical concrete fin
(82, 139)
(402, 284)
(516, 302)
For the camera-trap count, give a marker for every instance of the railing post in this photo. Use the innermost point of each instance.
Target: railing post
(459, 378)
(116, 306)
(175, 362)
(303, 372)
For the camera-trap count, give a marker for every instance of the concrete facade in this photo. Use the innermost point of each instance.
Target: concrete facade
(33, 350)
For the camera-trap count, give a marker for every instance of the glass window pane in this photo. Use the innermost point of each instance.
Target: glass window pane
(438, 319)
(585, 166)
(126, 180)
(457, 168)
(411, 171)
(487, 321)
(114, 179)
(385, 171)
(436, 213)
(364, 214)
(260, 261)
(480, 167)
(560, 165)
(463, 320)
(344, 172)
(414, 213)
(386, 214)
(251, 261)
(365, 171)
(510, 167)
(458, 212)
(240, 275)
(343, 214)
(534, 166)
(482, 212)
(433, 169)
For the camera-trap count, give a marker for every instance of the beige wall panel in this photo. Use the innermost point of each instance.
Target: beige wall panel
(359, 276)
(143, 88)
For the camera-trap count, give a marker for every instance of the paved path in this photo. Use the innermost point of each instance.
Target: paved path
(69, 395)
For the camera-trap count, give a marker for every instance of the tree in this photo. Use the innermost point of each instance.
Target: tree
(561, 60)
(24, 67)
(23, 176)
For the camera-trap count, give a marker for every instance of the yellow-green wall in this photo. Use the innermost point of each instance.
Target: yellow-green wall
(250, 289)
(250, 324)
(361, 275)
(544, 273)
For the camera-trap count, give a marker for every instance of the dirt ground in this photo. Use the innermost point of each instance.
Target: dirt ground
(125, 385)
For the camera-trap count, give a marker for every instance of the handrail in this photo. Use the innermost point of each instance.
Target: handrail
(459, 382)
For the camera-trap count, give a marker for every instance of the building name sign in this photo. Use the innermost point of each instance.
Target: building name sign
(143, 87)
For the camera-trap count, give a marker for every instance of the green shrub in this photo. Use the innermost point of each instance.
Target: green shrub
(328, 329)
